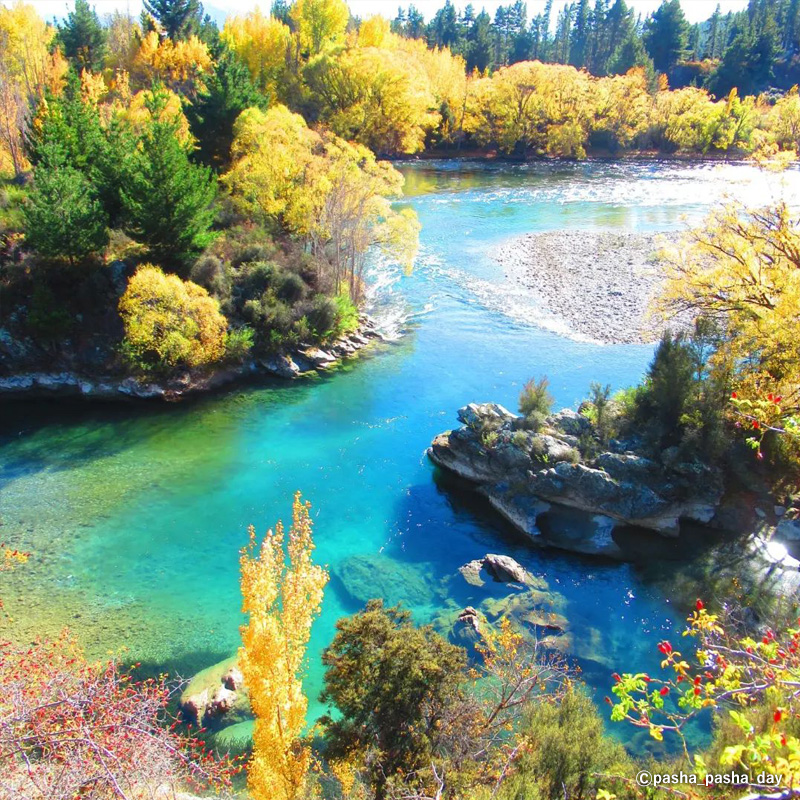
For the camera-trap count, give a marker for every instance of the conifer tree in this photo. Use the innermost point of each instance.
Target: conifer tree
(228, 92)
(83, 37)
(667, 35)
(179, 18)
(167, 199)
(63, 217)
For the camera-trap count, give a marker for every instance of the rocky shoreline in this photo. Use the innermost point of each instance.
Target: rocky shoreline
(540, 483)
(298, 363)
(600, 285)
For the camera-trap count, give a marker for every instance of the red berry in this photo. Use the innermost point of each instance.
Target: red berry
(777, 715)
(700, 605)
(664, 691)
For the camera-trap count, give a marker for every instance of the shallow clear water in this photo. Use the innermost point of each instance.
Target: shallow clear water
(135, 516)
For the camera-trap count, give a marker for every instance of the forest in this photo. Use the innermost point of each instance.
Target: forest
(180, 198)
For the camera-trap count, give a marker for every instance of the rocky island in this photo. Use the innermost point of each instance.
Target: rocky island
(532, 477)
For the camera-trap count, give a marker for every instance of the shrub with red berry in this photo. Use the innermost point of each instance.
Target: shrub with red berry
(728, 674)
(73, 729)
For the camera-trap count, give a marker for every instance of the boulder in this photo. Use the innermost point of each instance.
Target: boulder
(475, 415)
(319, 359)
(233, 679)
(282, 366)
(366, 577)
(505, 569)
(502, 569)
(221, 703)
(788, 530)
(194, 707)
(216, 697)
(571, 422)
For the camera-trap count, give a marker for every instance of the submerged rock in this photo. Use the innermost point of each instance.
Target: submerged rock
(367, 577)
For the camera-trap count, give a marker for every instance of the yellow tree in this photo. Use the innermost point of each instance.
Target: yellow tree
(28, 68)
(281, 599)
(170, 323)
(319, 23)
(333, 194)
(376, 97)
(743, 269)
(263, 44)
(181, 66)
(783, 120)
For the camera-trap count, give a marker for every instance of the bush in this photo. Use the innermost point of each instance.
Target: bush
(323, 315)
(238, 343)
(291, 288)
(76, 728)
(566, 745)
(252, 279)
(170, 323)
(47, 319)
(535, 398)
(209, 272)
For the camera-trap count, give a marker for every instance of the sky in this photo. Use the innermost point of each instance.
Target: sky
(695, 10)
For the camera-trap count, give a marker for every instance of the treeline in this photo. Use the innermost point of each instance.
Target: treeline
(751, 50)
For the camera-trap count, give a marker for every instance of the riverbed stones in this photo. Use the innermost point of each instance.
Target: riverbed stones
(376, 576)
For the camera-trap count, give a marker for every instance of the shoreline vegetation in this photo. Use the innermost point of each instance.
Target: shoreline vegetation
(185, 202)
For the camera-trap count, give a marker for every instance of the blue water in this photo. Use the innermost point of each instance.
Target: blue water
(135, 516)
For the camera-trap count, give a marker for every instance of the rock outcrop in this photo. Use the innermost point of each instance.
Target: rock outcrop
(527, 475)
(217, 697)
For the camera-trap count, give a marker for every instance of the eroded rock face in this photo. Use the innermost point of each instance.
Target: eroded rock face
(217, 697)
(523, 473)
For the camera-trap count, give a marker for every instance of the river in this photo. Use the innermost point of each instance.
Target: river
(135, 515)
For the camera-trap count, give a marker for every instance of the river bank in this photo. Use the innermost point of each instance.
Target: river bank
(600, 285)
(295, 364)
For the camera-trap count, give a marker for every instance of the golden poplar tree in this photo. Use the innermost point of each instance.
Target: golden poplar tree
(282, 599)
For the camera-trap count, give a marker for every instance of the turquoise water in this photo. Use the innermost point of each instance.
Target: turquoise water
(135, 515)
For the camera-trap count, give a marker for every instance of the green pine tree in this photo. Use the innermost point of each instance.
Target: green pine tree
(179, 18)
(167, 199)
(228, 92)
(83, 38)
(667, 35)
(63, 216)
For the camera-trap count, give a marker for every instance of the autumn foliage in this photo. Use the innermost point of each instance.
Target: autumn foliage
(170, 322)
(282, 596)
(70, 728)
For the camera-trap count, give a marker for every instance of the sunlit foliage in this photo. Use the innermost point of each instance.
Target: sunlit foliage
(170, 323)
(28, 69)
(319, 23)
(263, 44)
(70, 728)
(333, 194)
(742, 268)
(282, 596)
(180, 65)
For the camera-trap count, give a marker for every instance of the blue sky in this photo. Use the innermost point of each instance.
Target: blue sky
(695, 10)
